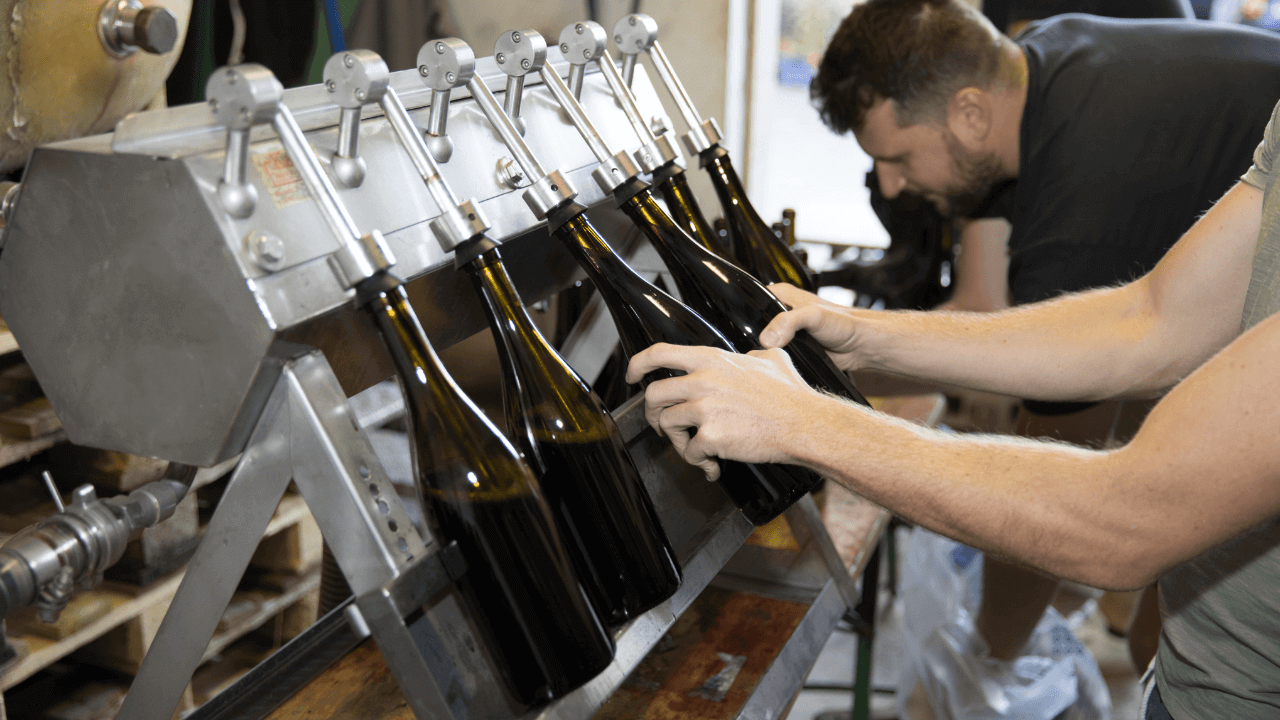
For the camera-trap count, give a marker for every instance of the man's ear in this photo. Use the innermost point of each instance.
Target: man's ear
(970, 116)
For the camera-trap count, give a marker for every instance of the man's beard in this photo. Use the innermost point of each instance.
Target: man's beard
(978, 175)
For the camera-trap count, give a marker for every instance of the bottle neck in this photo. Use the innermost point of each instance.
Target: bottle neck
(685, 210)
(601, 263)
(756, 245)
(675, 246)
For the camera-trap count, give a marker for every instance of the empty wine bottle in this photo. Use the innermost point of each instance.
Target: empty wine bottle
(729, 298)
(605, 515)
(756, 247)
(477, 490)
(645, 315)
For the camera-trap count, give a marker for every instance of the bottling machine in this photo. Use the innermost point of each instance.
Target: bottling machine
(182, 289)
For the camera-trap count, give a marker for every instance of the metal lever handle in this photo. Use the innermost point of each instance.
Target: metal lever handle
(638, 33)
(654, 152)
(582, 43)
(53, 490)
(353, 78)
(615, 168)
(240, 98)
(549, 190)
(252, 91)
(443, 64)
(518, 53)
(360, 77)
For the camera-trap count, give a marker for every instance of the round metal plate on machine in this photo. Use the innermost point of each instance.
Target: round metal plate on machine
(446, 64)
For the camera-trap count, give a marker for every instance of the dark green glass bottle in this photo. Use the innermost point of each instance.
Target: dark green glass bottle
(755, 246)
(645, 315)
(603, 511)
(520, 583)
(671, 181)
(729, 298)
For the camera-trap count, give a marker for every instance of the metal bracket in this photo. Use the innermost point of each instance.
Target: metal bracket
(307, 433)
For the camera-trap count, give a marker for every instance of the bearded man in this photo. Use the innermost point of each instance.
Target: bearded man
(1083, 149)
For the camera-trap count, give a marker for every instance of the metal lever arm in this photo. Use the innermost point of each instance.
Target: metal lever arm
(637, 33)
(549, 190)
(253, 91)
(615, 168)
(363, 77)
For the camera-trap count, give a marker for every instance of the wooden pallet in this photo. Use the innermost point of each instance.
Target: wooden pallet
(114, 624)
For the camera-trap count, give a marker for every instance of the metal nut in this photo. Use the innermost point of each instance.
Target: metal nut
(510, 173)
(266, 251)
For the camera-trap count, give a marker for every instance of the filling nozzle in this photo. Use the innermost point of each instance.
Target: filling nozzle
(245, 95)
(549, 190)
(637, 33)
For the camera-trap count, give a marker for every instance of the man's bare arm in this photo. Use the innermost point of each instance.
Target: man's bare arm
(1132, 340)
(1201, 470)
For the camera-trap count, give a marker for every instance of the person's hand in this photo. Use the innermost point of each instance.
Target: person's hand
(833, 326)
(731, 406)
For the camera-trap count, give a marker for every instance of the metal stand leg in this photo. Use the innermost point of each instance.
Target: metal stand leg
(307, 433)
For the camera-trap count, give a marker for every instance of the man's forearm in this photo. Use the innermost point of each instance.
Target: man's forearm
(1093, 345)
(986, 491)
(1132, 340)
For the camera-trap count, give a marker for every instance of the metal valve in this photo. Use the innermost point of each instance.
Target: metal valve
(637, 33)
(633, 35)
(615, 168)
(548, 191)
(444, 65)
(42, 564)
(518, 53)
(655, 151)
(353, 78)
(582, 43)
(124, 26)
(240, 98)
(458, 223)
(246, 95)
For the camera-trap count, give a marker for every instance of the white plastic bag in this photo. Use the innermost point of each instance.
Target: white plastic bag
(1055, 679)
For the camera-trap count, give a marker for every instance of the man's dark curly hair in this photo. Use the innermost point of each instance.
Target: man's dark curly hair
(917, 53)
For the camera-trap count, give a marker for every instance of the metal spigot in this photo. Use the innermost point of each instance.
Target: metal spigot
(366, 77)
(615, 168)
(582, 43)
(353, 78)
(250, 94)
(637, 33)
(443, 65)
(518, 53)
(548, 191)
(589, 46)
(125, 26)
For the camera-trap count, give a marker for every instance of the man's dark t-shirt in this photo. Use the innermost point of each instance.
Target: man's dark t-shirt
(1132, 130)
